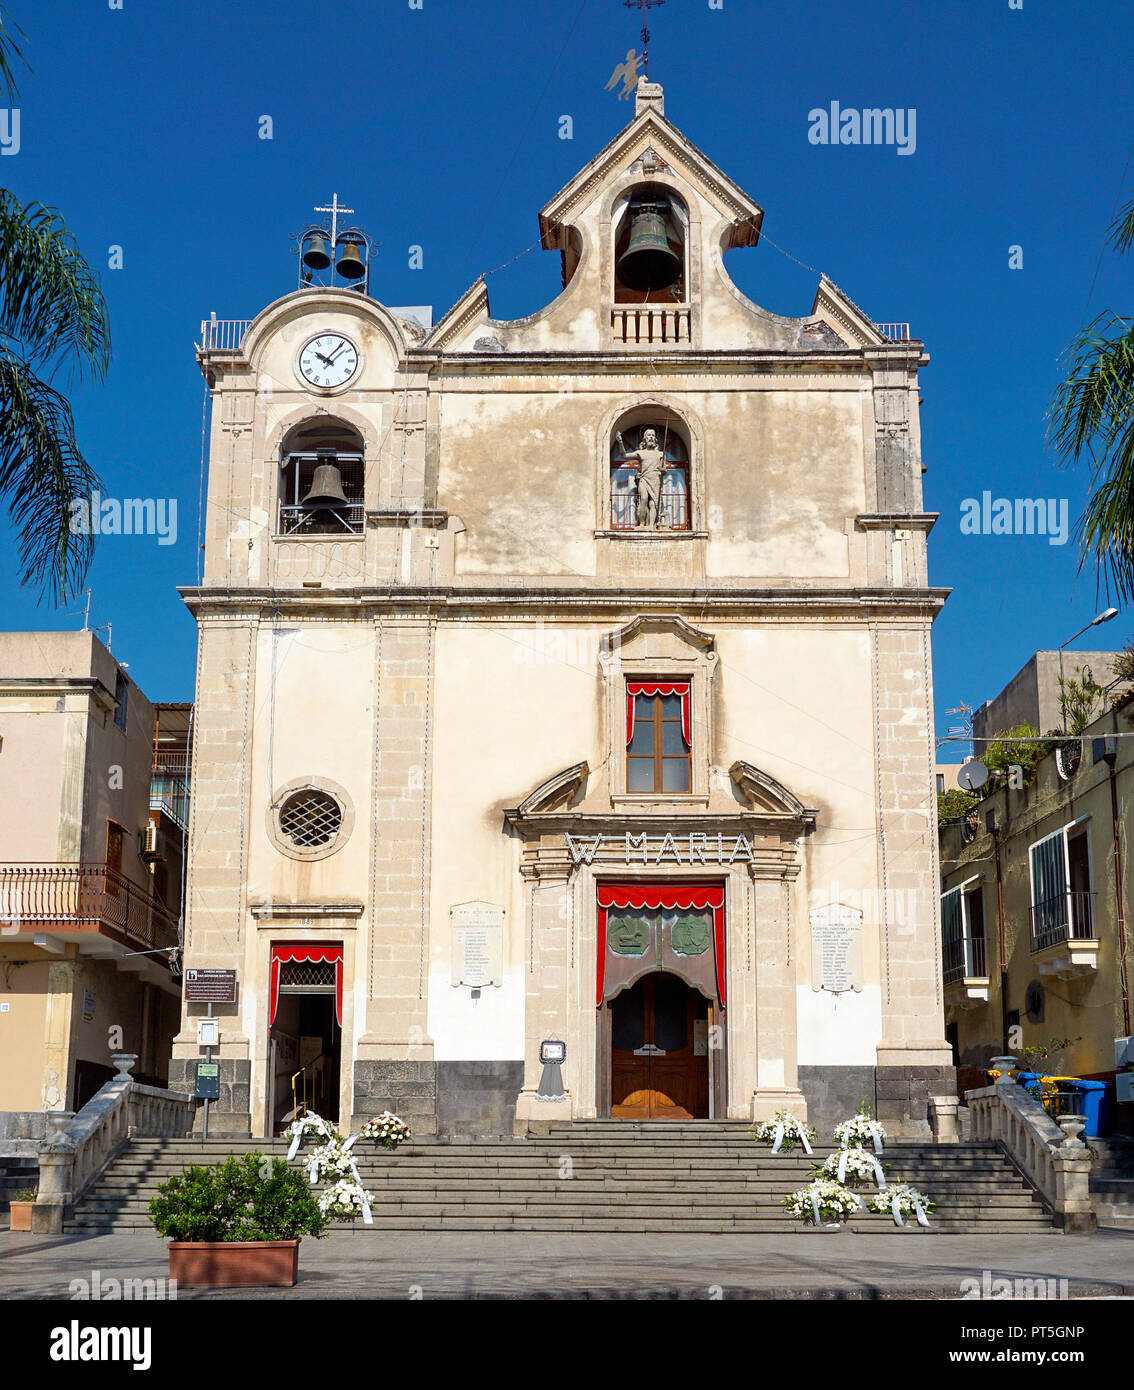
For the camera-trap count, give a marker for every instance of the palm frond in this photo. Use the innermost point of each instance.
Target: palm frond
(1121, 230)
(51, 304)
(42, 475)
(10, 53)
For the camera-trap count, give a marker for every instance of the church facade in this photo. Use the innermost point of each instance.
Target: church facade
(564, 738)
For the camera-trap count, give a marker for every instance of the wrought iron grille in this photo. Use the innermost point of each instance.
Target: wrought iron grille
(307, 976)
(310, 818)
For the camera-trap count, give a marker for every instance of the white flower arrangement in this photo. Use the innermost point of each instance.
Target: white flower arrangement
(899, 1199)
(851, 1167)
(346, 1200)
(784, 1131)
(822, 1199)
(859, 1131)
(330, 1161)
(309, 1127)
(386, 1129)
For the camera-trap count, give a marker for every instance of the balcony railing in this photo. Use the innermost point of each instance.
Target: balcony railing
(660, 327)
(84, 897)
(963, 959)
(894, 332)
(1064, 917)
(222, 335)
(169, 786)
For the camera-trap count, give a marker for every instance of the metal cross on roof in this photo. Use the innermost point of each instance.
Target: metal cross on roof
(335, 208)
(644, 6)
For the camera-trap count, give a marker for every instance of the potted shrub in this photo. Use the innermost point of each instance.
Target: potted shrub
(21, 1208)
(239, 1222)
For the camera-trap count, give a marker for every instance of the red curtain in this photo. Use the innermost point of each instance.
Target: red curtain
(668, 897)
(657, 688)
(304, 952)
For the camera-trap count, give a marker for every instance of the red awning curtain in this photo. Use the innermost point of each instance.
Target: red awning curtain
(665, 897)
(657, 688)
(304, 952)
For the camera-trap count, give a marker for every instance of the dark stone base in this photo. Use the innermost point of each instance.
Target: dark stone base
(475, 1098)
(408, 1089)
(230, 1114)
(898, 1096)
(21, 1132)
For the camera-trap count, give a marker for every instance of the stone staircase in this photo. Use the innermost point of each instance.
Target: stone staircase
(599, 1176)
(1112, 1181)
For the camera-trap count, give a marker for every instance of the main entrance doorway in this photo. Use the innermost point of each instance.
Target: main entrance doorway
(659, 1050)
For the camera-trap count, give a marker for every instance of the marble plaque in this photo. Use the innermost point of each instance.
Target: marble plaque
(478, 944)
(836, 948)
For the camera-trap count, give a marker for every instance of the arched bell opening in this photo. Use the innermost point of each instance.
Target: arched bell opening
(650, 245)
(321, 480)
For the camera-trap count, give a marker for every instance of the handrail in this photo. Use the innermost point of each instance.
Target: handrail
(1053, 1159)
(81, 1146)
(303, 1072)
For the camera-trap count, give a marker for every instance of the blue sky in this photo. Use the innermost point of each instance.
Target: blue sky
(440, 127)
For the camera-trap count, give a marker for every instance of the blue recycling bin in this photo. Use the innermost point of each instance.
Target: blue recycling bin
(1031, 1082)
(1093, 1100)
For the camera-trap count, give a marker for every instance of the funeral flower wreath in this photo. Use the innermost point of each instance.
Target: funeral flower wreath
(783, 1131)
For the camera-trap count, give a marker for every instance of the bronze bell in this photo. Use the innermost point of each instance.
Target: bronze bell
(351, 266)
(317, 257)
(649, 262)
(326, 488)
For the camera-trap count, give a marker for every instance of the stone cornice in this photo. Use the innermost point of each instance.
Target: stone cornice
(599, 603)
(909, 521)
(274, 910)
(59, 685)
(686, 360)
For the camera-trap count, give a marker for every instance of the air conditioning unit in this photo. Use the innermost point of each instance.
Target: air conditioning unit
(150, 850)
(1124, 1087)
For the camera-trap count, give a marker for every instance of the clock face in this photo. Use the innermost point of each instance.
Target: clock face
(328, 360)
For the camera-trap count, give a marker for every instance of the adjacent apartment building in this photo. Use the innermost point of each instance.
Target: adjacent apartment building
(1035, 908)
(90, 877)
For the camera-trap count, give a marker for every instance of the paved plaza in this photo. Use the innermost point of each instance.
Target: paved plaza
(808, 1264)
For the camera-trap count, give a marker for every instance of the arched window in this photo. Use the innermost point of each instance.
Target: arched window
(649, 248)
(649, 473)
(321, 480)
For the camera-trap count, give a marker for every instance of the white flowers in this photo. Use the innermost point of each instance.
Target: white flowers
(783, 1130)
(386, 1129)
(859, 1131)
(330, 1161)
(900, 1199)
(346, 1199)
(309, 1126)
(853, 1166)
(821, 1200)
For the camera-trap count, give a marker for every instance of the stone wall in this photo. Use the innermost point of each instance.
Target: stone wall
(408, 1089)
(475, 1098)
(231, 1113)
(898, 1096)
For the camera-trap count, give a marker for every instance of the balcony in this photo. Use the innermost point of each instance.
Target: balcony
(1063, 939)
(87, 904)
(169, 787)
(966, 973)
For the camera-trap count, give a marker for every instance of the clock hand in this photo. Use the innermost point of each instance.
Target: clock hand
(341, 347)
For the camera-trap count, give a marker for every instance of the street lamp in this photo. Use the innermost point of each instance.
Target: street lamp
(1104, 617)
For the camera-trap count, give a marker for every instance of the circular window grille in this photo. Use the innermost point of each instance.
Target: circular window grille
(310, 819)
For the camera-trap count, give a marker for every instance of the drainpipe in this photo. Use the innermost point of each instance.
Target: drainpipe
(995, 831)
(1120, 921)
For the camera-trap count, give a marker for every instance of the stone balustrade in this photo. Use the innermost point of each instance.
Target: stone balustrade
(1051, 1156)
(79, 1146)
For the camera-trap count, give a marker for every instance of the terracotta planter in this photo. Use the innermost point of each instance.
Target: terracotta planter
(218, 1264)
(21, 1215)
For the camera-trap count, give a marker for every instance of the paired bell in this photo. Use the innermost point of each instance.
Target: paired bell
(317, 257)
(326, 488)
(351, 265)
(649, 262)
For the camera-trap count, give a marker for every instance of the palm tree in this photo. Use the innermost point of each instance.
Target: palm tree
(52, 315)
(1092, 414)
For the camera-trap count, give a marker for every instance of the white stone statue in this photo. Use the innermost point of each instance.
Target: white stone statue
(651, 468)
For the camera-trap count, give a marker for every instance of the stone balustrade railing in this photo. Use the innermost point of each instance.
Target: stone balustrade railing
(79, 1146)
(1052, 1156)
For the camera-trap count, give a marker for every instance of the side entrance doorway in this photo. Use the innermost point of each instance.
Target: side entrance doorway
(305, 1053)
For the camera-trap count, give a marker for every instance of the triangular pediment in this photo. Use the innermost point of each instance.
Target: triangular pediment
(650, 134)
(648, 628)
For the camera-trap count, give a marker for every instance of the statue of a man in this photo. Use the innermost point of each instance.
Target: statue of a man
(651, 467)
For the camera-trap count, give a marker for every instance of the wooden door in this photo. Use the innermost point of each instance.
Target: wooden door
(658, 1069)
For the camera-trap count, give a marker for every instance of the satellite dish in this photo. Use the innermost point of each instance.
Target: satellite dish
(972, 775)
